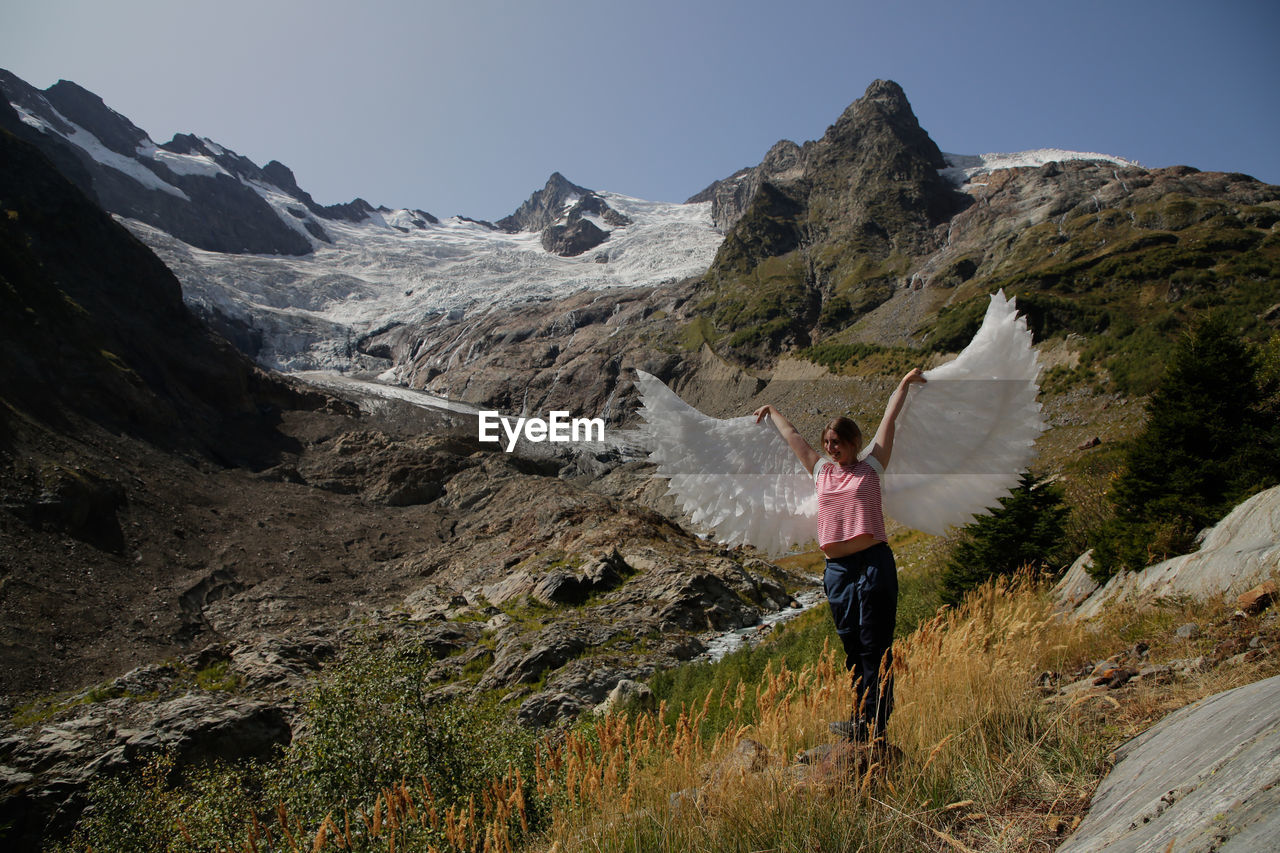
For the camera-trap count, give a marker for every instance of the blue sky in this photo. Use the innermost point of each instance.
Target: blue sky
(467, 106)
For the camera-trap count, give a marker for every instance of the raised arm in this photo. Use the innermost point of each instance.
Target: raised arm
(807, 455)
(882, 445)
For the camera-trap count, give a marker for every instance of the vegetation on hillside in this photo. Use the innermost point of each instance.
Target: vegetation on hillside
(986, 761)
(1127, 280)
(1212, 439)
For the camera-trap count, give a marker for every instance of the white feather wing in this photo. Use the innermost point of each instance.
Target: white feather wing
(733, 476)
(965, 436)
(960, 444)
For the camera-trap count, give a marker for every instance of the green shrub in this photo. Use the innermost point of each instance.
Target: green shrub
(370, 724)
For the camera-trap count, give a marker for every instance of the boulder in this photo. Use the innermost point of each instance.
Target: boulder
(627, 697)
(1237, 553)
(1076, 585)
(1259, 598)
(546, 709)
(550, 650)
(1204, 778)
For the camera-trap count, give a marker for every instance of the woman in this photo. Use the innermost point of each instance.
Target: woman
(861, 579)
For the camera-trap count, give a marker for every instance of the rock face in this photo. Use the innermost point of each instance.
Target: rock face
(810, 226)
(572, 239)
(1204, 778)
(1237, 553)
(209, 198)
(544, 207)
(558, 210)
(729, 197)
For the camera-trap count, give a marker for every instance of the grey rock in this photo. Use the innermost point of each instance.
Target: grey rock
(627, 697)
(1203, 778)
(1189, 666)
(573, 238)
(1237, 553)
(1157, 673)
(60, 760)
(1188, 631)
(543, 207)
(548, 651)
(1076, 585)
(544, 709)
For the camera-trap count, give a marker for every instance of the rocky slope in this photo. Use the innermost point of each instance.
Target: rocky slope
(185, 539)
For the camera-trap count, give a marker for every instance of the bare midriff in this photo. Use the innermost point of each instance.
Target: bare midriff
(861, 542)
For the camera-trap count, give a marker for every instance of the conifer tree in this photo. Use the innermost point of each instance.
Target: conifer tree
(1210, 441)
(1027, 530)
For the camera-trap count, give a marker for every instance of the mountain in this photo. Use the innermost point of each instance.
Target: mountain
(870, 236)
(296, 285)
(95, 326)
(169, 511)
(870, 247)
(863, 235)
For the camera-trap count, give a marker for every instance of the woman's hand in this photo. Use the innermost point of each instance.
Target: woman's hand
(806, 454)
(916, 375)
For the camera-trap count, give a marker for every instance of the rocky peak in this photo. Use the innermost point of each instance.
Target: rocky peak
(826, 215)
(281, 176)
(878, 150)
(730, 197)
(544, 207)
(886, 94)
(557, 210)
(28, 97)
(186, 143)
(86, 109)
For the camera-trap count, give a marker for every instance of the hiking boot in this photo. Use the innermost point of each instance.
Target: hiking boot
(849, 730)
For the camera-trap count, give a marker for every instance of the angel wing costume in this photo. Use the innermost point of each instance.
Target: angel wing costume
(961, 442)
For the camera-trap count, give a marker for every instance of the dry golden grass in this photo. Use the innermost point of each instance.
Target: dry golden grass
(987, 761)
(987, 764)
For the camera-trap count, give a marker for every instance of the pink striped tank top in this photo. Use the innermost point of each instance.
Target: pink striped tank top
(849, 500)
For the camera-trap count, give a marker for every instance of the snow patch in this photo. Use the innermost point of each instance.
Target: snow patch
(962, 168)
(91, 145)
(182, 164)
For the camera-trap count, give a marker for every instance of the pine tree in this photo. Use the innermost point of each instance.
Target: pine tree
(1210, 441)
(1027, 530)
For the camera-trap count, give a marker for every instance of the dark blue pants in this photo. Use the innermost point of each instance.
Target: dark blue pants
(862, 589)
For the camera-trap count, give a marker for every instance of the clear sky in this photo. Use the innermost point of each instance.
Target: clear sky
(467, 106)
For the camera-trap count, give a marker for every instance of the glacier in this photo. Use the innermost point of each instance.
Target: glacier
(379, 272)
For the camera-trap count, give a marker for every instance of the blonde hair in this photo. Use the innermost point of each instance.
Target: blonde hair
(846, 430)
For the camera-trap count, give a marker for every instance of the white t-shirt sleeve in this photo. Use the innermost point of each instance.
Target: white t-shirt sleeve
(865, 456)
(818, 466)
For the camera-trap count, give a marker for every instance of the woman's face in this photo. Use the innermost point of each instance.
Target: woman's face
(842, 452)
